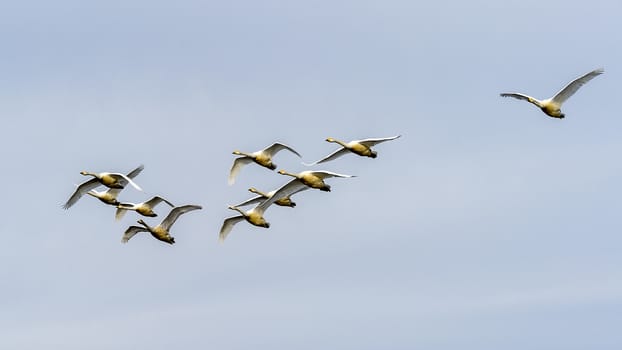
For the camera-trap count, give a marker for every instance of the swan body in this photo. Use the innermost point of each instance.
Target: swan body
(254, 216)
(144, 208)
(314, 179)
(552, 106)
(160, 231)
(261, 196)
(115, 181)
(109, 197)
(359, 147)
(262, 157)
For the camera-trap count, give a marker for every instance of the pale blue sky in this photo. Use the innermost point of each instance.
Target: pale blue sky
(487, 225)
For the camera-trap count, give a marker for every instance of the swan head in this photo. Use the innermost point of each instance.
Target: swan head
(253, 190)
(262, 223)
(283, 172)
(237, 153)
(85, 173)
(330, 139)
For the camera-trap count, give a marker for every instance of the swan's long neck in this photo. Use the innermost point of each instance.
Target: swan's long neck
(145, 224)
(343, 144)
(283, 172)
(254, 190)
(88, 173)
(536, 102)
(237, 209)
(243, 154)
(125, 205)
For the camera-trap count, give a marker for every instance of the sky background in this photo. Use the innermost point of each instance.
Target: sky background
(487, 225)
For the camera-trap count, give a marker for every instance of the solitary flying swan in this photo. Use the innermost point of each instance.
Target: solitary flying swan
(360, 147)
(115, 181)
(161, 231)
(552, 106)
(262, 157)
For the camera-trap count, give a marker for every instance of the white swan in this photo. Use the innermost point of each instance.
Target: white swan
(360, 147)
(552, 106)
(109, 196)
(283, 201)
(314, 179)
(262, 157)
(255, 215)
(161, 231)
(115, 181)
(144, 208)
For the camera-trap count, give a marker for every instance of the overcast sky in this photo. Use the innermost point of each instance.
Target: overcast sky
(487, 225)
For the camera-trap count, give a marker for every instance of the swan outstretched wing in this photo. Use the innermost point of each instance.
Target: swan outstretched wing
(277, 146)
(290, 188)
(114, 192)
(121, 177)
(324, 174)
(375, 141)
(80, 191)
(571, 88)
(517, 96)
(131, 232)
(256, 199)
(132, 174)
(175, 213)
(238, 163)
(118, 215)
(227, 225)
(157, 200)
(338, 153)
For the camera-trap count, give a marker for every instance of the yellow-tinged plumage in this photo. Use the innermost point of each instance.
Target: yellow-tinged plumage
(114, 181)
(160, 231)
(314, 179)
(359, 147)
(552, 106)
(262, 157)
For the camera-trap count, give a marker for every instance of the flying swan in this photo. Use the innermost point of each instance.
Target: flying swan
(261, 196)
(144, 208)
(262, 157)
(552, 106)
(314, 179)
(161, 231)
(115, 181)
(360, 147)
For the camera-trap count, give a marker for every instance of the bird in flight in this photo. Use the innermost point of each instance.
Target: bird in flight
(360, 147)
(161, 231)
(114, 181)
(262, 157)
(552, 106)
